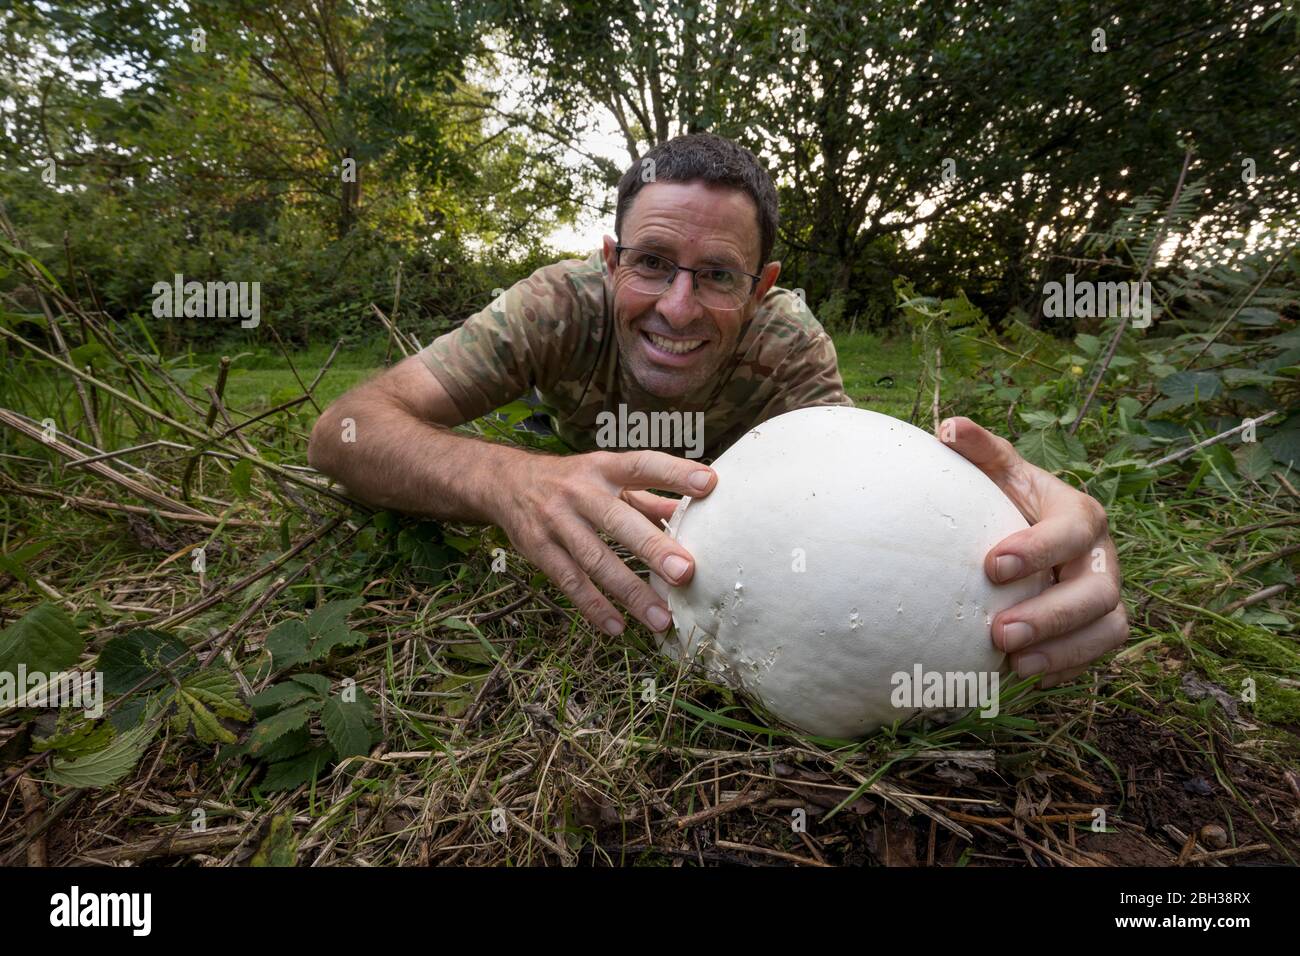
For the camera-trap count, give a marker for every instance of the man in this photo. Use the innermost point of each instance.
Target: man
(679, 313)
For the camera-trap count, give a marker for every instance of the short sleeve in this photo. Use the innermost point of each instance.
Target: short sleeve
(809, 375)
(528, 337)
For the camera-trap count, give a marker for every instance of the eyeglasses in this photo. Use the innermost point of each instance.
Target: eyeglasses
(651, 274)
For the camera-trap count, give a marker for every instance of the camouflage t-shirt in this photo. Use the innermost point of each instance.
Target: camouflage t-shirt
(554, 332)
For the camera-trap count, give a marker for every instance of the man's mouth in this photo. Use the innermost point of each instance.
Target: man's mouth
(673, 346)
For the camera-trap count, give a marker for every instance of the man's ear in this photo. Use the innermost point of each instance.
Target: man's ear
(769, 276)
(609, 254)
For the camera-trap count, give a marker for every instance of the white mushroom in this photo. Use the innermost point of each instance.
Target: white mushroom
(839, 549)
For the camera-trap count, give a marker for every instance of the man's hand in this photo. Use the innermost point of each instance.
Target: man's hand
(554, 510)
(1060, 632)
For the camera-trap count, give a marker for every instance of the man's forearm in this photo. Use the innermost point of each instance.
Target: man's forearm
(388, 458)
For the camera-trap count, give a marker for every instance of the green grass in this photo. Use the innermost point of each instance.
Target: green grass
(563, 736)
(879, 374)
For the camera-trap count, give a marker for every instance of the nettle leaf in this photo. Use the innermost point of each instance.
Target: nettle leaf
(279, 696)
(329, 628)
(1051, 448)
(348, 726)
(202, 699)
(1284, 443)
(1186, 387)
(85, 737)
(44, 639)
(321, 685)
(1253, 460)
(269, 730)
(139, 656)
(107, 766)
(293, 773)
(288, 643)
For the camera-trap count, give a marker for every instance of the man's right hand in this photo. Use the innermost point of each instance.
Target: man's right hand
(555, 508)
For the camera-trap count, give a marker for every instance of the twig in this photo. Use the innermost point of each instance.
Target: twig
(1180, 455)
(222, 371)
(938, 372)
(744, 800)
(148, 494)
(98, 504)
(765, 851)
(1261, 595)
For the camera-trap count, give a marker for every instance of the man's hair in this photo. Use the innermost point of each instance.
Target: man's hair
(704, 157)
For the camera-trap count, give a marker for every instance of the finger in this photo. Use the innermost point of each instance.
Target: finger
(569, 578)
(1068, 530)
(658, 549)
(615, 578)
(655, 507)
(1074, 603)
(1074, 651)
(993, 455)
(640, 470)
(1051, 680)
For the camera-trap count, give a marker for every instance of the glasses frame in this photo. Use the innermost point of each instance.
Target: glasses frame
(695, 275)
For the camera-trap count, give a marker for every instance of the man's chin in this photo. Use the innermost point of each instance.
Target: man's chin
(665, 383)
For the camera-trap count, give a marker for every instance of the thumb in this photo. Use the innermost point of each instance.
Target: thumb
(996, 457)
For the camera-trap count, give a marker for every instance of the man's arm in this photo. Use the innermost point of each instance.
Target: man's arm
(389, 442)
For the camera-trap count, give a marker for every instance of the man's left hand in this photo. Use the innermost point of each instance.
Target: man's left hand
(1061, 631)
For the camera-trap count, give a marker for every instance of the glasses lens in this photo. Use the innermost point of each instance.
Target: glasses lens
(647, 272)
(723, 288)
(651, 274)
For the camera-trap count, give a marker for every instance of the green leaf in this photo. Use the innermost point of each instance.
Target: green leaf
(203, 698)
(44, 639)
(347, 726)
(269, 730)
(1186, 387)
(279, 847)
(107, 766)
(318, 683)
(293, 773)
(287, 643)
(1257, 316)
(328, 627)
(138, 656)
(1284, 443)
(1051, 448)
(278, 696)
(86, 737)
(241, 478)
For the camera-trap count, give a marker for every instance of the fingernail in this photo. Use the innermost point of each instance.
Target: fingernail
(675, 566)
(1008, 567)
(700, 480)
(1016, 635)
(614, 626)
(1031, 664)
(658, 618)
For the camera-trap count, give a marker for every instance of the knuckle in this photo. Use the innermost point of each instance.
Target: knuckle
(569, 580)
(1097, 516)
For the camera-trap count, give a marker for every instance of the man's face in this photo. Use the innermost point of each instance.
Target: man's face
(695, 225)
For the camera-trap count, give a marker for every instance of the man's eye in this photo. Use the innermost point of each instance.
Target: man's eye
(720, 277)
(653, 263)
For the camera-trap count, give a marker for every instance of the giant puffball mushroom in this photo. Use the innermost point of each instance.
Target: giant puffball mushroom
(839, 548)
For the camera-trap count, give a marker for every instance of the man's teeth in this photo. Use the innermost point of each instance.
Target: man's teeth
(676, 346)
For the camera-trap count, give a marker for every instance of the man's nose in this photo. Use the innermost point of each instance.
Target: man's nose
(678, 304)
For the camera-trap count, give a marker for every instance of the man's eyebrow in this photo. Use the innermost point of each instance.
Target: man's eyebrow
(666, 249)
(722, 259)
